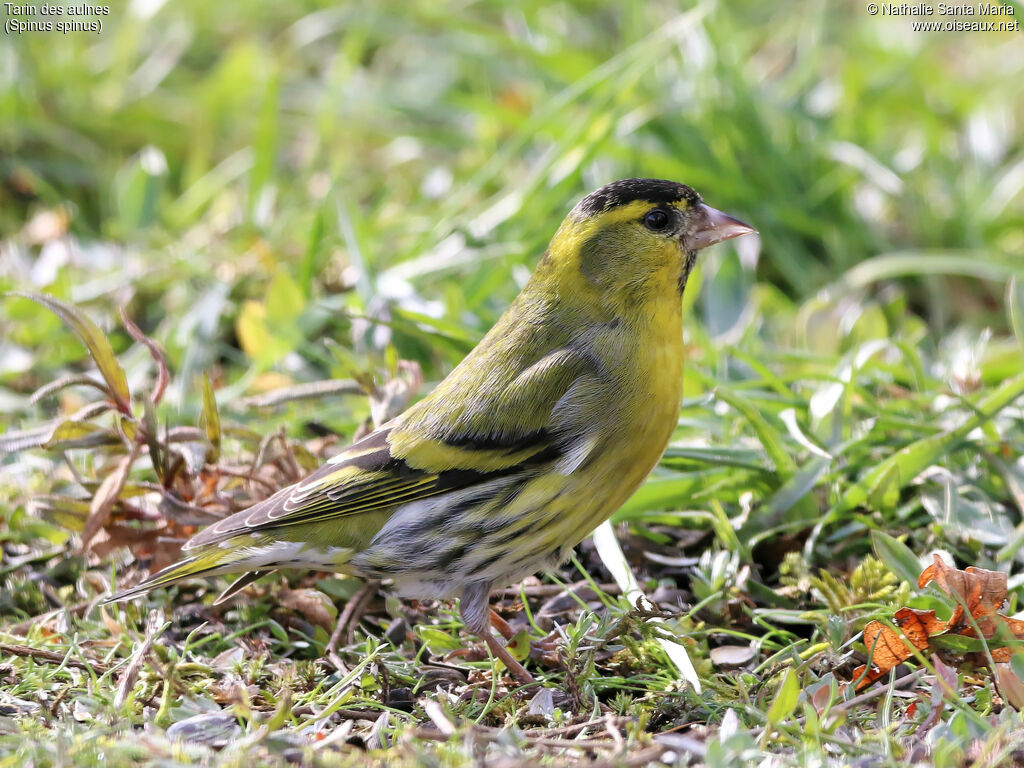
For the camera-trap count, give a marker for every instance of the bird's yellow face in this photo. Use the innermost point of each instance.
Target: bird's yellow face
(637, 239)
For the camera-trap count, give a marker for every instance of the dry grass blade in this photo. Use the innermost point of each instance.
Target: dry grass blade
(309, 391)
(106, 496)
(131, 673)
(64, 382)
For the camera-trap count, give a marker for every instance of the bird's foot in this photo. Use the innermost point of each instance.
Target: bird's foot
(544, 650)
(499, 651)
(517, 670)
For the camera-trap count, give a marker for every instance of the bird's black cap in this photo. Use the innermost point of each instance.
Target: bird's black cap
(628, 190)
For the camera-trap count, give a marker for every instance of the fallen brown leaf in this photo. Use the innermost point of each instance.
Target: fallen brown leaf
(106, 496)
(312, 604)
(979, 594)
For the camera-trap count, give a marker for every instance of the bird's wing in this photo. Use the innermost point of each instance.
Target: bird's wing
(498, 420)
(428, 451)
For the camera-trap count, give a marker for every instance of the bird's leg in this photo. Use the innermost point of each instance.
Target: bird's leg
(475, 610)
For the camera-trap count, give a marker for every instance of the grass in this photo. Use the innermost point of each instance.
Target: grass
(311, 192)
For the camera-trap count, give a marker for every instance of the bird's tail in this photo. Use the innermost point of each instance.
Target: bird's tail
(205, 562)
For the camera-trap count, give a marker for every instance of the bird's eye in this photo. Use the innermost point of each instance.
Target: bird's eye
(656, 220)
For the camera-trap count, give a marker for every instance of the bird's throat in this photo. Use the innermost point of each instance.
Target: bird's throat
(689, 259)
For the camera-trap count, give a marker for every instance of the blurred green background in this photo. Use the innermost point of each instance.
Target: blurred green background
(285, 192)
(421, 141)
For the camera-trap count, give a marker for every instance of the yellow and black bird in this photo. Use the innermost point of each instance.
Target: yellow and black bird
(535, 438)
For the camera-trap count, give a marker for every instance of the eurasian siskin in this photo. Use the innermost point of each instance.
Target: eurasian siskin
(537, 437)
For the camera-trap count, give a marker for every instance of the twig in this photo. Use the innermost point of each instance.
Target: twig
(288, 457)
(131, 674)
(902, 682)
(642, 757)
(548, 590)
(308, 391)
(565, 730)
(495, 734)
(344, 714)
(183, 435)
(612, 730)
(52, 709)
(350, 617)
(52, 657)
(544, 736)
(65, 381)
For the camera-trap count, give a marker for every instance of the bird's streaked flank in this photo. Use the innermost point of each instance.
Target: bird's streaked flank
(536, 438)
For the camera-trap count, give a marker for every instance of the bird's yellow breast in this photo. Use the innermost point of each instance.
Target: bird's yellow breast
(643, 404)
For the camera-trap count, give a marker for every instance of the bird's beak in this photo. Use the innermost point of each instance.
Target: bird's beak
(709, 226)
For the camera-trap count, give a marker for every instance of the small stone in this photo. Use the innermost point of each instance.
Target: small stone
(212, 730)
(732, 655)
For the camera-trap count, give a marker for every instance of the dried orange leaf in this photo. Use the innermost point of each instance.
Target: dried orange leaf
(888, 648)
(863, 677)
(1015, 626)
(1000, 631)
(919, 624)
(981, 592)
(987, 591)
